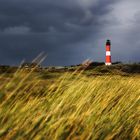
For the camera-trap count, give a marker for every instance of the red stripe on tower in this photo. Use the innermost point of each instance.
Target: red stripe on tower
(108, 53)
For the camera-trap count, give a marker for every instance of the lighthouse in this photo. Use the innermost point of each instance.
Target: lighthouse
(108, 53)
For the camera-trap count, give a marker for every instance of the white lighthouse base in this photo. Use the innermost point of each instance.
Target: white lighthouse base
(108, 64)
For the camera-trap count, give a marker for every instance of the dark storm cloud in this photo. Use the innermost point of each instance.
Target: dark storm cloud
(41, 15)
(67, 30)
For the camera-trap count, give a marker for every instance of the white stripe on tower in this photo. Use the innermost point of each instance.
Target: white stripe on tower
(108, 53)
(108, 64)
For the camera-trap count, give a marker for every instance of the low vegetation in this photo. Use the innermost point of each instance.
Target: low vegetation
(70, 105)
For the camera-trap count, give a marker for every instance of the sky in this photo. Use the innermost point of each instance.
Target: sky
(69, 31)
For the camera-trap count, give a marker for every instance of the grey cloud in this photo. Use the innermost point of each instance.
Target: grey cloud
(16, 30)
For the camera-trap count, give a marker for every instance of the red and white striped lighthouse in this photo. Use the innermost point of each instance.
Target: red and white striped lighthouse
(108, 53)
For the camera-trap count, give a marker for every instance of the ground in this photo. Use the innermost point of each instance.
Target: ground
(98, 103)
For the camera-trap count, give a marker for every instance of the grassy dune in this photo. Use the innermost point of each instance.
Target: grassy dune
(71, 106)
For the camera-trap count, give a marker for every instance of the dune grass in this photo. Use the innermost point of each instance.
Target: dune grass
(69, 107)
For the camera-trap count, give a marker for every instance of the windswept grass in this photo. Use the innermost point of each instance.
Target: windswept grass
(69, 107)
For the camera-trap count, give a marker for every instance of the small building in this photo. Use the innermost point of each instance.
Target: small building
(33, 65)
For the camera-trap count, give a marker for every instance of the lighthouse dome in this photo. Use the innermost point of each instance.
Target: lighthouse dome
(108, 42)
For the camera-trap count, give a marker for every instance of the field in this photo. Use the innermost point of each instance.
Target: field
(69, 106)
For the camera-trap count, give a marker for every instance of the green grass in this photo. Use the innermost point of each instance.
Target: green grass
(69, 106)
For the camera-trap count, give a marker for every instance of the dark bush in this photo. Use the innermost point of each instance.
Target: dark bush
(134, 68)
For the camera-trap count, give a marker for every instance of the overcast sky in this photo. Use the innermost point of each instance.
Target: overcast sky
(69, 31)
